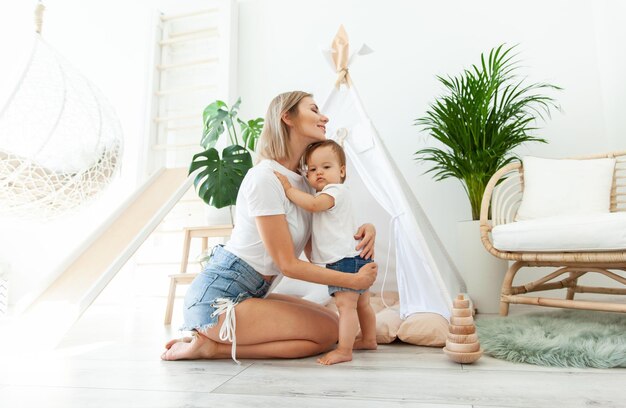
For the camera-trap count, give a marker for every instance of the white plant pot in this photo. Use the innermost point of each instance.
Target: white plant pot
(222, 216)
(483, 273)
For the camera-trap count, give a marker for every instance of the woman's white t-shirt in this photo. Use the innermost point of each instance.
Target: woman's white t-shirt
(334, 229)
(261, 193)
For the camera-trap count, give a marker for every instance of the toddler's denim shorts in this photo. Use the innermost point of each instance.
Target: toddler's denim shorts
(225, 277)
(348, 265)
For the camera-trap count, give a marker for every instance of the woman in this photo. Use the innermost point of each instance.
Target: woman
(270, 232)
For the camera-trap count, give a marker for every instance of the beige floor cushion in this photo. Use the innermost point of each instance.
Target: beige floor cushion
(422, 329)
(387, 324)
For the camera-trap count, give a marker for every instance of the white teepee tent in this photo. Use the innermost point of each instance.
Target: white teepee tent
(426, 276)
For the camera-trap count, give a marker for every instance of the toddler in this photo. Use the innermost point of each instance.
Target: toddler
(333, 243)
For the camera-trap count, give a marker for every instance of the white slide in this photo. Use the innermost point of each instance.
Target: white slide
(93, 266)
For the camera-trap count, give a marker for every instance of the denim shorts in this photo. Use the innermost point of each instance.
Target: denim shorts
(348, 265)
(226, 276)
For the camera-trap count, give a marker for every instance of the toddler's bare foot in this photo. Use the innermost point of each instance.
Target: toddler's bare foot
(190, 348)
(336, 356)
(361, 344)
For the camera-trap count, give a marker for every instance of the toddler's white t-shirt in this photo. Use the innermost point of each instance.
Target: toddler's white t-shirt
(334, 229)
(262, 194)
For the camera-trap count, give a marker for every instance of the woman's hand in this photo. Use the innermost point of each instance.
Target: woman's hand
(274, 232)
(283, 181)
(366, 276)
(367, 235)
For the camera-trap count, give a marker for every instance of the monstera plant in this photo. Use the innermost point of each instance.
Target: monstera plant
(218, 178)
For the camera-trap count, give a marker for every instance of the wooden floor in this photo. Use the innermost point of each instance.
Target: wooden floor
(110, 358)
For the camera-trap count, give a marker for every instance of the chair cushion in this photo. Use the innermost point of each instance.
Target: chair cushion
(596, 232)
(565, 187)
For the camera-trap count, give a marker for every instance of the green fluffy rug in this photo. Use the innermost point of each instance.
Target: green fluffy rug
(568, 338)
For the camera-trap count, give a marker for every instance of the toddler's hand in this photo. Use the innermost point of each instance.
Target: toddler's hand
(283, 180)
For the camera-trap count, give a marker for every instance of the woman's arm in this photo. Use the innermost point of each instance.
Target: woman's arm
(274, 232)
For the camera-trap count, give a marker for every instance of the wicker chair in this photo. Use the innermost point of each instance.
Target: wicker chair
(503, 196)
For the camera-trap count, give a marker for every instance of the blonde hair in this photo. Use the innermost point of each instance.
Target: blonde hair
(273, 142)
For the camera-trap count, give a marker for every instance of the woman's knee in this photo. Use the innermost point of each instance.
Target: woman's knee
(325, 335)
(327, 330)
(328, 343)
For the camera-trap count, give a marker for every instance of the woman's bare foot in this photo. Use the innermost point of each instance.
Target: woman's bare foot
(183, 339)
(336, 356)
(360, 344)
(190, 348)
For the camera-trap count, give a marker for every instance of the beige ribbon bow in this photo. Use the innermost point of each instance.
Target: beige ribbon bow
(39, 17)
(340, 56)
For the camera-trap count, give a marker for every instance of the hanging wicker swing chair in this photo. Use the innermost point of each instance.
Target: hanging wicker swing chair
(60, 140)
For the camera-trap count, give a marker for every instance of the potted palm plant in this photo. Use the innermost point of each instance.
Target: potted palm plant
(485, 113)
(218, 179)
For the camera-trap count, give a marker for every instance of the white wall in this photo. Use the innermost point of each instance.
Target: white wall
(574, 44)
(609, 21)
